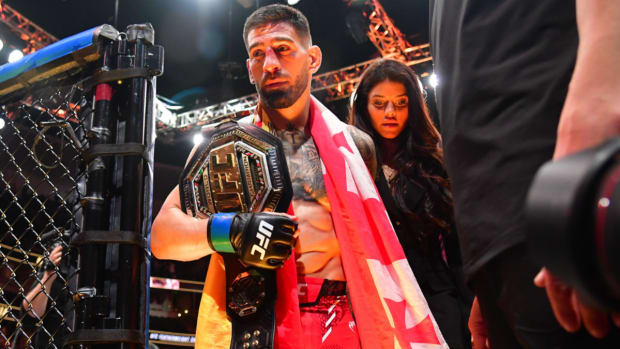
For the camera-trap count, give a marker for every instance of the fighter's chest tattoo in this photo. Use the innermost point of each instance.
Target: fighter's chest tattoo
(304, 166)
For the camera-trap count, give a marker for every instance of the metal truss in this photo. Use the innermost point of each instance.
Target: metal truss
(338, 84)
(390, 41)
(383, 33)
(233, 108)
(34, 36)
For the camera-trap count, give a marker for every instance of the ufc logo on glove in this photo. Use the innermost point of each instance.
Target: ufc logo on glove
(264, 233)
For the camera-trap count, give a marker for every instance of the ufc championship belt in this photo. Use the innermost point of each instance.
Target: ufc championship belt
(240, 168)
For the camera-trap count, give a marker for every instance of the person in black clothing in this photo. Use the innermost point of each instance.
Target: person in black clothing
(513, 75)
(389, 105)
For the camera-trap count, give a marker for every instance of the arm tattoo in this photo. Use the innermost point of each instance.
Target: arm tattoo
(366, 147)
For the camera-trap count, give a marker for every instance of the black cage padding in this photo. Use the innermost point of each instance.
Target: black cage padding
(106, 336)
(126, 149)
(108, 237)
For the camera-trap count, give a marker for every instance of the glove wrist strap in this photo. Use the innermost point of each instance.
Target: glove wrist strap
(219, 232)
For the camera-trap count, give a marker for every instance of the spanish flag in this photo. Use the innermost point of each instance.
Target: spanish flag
(389, 308)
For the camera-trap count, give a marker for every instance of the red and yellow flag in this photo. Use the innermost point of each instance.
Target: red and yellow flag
(390, 310)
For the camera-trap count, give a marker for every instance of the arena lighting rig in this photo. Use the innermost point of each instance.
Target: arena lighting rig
(338, 84)
(33, 35)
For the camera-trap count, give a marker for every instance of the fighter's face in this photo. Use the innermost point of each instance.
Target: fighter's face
(279, 64)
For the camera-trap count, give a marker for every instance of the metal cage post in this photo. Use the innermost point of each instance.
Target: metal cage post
(112, 308)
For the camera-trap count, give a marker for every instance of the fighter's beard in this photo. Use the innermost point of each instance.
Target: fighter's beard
(284, 98)
(277, 99)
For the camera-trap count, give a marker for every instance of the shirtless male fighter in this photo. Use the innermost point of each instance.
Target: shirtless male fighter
(281, 62)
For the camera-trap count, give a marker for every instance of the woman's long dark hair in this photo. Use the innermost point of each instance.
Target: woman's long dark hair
(419, 157)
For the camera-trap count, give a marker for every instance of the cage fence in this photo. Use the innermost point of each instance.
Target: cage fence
(76, 136)
(42, 179)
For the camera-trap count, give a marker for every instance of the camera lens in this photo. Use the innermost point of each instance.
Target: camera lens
(607, 222)
(573, 214)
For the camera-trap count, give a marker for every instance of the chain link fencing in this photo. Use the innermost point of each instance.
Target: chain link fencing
(76, 156)
(42, 179)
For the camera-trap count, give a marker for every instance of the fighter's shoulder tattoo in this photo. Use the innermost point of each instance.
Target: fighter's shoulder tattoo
(304, 165)
(366, 147)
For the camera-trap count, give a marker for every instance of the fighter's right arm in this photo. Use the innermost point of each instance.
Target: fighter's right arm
(176, 235)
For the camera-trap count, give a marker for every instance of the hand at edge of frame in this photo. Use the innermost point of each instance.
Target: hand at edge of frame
(477, 327)
(570, 311)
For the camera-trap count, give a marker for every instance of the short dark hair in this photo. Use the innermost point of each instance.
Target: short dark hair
(277, 13)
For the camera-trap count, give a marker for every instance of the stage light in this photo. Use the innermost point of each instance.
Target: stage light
(15, 56)
(2, 123)
(198, 138)
(433, 81)
(293, 2)
(1, 44)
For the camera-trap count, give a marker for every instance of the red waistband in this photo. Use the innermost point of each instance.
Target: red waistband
(309, 280)
(309, 289)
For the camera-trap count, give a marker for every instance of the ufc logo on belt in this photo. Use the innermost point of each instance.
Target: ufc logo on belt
(264, 233)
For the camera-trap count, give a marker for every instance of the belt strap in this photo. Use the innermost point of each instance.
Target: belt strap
(250, 304)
